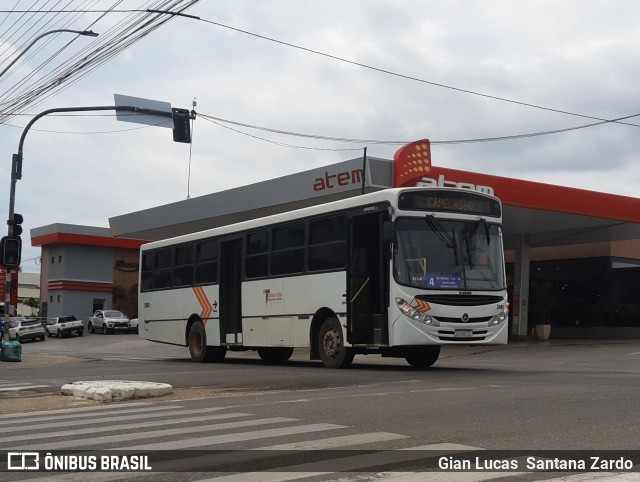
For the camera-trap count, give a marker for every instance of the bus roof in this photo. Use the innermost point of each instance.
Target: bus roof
(386, 195)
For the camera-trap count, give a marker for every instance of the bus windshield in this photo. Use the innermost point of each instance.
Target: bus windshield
(448, 254)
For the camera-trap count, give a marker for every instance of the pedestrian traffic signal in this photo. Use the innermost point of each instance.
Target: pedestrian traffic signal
(181, 126)
(16, 222)
(11, 249)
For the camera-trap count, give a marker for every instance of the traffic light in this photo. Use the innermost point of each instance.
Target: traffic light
(11, 248)
(16, 223)
(181, 126)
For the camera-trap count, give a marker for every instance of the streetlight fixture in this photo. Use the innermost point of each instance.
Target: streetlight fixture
(87, 33)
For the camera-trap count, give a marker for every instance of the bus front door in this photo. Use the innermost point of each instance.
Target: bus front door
(230, 292)
(367, 281)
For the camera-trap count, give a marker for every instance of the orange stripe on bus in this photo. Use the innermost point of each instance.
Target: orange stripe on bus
(205, 304)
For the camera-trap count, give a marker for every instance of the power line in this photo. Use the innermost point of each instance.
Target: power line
(408, 77)
(221, 123)
(404, 141)
(35, 88)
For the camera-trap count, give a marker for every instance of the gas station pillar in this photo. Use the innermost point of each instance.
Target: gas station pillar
(520, 302)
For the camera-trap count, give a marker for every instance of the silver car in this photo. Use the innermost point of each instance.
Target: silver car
(108, 321)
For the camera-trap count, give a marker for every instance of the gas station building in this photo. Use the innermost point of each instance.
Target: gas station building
(573, 256)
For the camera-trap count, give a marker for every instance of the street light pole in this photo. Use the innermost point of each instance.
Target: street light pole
(179, 116)
(87, 33)
(16, 165)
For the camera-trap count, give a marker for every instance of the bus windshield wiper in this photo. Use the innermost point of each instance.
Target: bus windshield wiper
(449, 242)
(471, 237)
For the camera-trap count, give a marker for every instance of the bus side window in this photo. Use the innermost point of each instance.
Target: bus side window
(147, 271)
(206, 270)
(257, 259)
(183, 270)
(327, 243)
(287, 251)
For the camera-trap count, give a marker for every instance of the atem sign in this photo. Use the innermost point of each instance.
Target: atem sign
(442, 182)
(412, 168)
(341, 179)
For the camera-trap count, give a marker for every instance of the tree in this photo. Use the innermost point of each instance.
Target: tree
(33, 304)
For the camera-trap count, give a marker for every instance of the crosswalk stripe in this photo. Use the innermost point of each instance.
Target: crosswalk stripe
(24, 387)
(79, 412)
(83, 443)
(100, 419)
(337, 442)
(136, 419)
(201, 442)
(112, 428)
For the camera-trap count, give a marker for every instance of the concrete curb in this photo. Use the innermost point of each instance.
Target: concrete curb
(115, 390)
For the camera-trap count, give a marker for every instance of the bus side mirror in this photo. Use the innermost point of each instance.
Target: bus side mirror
(388, 232)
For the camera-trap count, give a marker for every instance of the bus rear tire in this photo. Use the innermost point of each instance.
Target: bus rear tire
(275, 354)
(423, 357)
(198, 349)
(333, 353)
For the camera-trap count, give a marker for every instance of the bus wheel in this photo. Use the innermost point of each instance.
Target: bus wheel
(423, 357)
(275, 354)
(198, 348)
(333, 353)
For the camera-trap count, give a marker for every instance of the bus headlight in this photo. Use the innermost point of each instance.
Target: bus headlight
(500, 318)
(412, 313)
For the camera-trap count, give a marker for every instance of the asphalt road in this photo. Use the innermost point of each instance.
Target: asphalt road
(525, 396)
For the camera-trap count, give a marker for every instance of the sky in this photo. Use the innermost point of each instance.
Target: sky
(447, 71)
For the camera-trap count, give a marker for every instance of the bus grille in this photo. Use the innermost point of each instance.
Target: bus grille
(446, 319)
(461, 300)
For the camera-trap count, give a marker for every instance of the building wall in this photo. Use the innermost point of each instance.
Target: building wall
(79, 263)
(63, 264)
(84, 268)
(78, 303)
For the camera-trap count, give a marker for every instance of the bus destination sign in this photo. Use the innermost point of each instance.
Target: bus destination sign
(460, 202)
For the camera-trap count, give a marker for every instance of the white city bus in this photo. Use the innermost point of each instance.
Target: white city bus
(398, 272)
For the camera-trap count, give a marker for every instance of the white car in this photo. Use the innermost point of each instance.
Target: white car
(133, 325)
(21, 328)
(64, 326)
(108, 321)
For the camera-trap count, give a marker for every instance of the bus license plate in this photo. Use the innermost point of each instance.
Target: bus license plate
(462, 333)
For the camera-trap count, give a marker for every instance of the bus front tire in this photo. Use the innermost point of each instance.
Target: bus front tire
(423, 357)
(333, 353)
(198, 349)
(275, 354)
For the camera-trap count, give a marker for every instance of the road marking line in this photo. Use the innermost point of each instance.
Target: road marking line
(82, 443)
(25, 387)
(116, 417)
(114, 428)
(236, 437)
